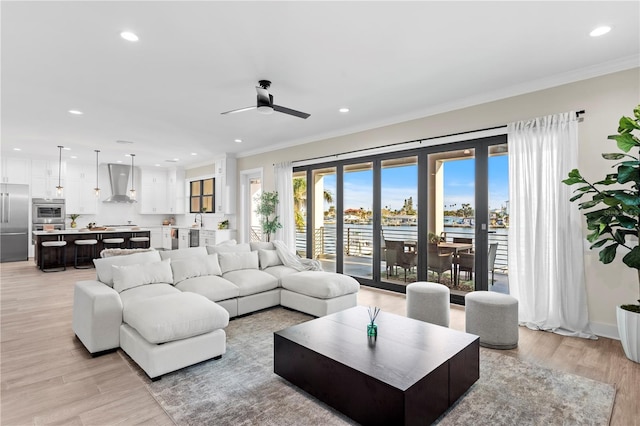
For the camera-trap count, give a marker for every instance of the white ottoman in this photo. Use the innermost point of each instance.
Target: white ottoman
(428, 302)
(172, 331)
(319, 293)
(493, 317)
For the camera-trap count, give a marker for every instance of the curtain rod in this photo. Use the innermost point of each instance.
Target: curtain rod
(578, 114)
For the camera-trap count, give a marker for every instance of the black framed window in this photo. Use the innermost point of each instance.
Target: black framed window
(202, 196)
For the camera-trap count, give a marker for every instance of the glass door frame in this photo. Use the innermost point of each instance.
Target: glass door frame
(481, 147)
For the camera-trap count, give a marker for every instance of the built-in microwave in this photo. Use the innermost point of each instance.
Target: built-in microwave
(48, 210)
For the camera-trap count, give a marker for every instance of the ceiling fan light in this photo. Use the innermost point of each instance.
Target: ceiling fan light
(265, 109)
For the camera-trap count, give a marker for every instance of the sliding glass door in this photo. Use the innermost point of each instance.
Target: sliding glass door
(438, 213)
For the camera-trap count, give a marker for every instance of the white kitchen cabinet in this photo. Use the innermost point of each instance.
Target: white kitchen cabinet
(225, 174)
(166, 237)
(44, 178)
(156, 236)
(183, 238)
(79, 191)
(210, 237)
(176, 194)
(15, 170)
(153, 191)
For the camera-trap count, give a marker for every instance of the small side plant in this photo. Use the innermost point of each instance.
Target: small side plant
(266, 208)
(613, 215)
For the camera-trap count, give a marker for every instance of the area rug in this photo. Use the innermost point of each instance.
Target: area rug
(241, 388)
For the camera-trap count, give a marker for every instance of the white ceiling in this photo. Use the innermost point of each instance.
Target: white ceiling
(387, 61)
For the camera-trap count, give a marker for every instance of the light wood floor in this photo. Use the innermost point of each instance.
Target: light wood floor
(47, 377)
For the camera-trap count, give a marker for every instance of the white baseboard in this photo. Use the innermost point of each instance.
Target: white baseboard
(605, 330)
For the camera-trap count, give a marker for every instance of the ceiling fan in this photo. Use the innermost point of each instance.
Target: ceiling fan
(265, 103)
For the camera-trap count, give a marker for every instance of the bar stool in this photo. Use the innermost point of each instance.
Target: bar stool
(112, 242)
(139, 242)
(85, 246)
(57, 247)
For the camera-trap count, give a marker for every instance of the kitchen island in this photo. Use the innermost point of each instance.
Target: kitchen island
(71, 235)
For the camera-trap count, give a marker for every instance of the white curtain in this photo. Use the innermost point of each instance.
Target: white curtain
(284, 186)
(546, 252)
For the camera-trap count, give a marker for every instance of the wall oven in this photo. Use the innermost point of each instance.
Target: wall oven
(48, 210)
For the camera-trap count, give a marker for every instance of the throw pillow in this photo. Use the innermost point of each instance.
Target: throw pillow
(104, 267)
(197, 266)
(229, 248)
(130, 276)
(257, 245)
(239, 260)
(268, 258)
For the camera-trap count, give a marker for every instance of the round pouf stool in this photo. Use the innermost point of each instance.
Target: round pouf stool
(137, 242)
(428, 302)
(60, 251)
(85, 252)
(493, 317)
(112, 242)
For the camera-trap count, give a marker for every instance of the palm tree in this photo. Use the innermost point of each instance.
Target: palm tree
(300, 200)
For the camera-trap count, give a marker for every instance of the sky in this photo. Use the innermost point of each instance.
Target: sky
(400, 183)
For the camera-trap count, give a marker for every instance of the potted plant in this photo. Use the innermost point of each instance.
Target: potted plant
(266, 208)
(613, 218)
(224, 224)
(73, 217)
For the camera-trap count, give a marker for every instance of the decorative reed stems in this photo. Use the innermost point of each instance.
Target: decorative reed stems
(373, 313)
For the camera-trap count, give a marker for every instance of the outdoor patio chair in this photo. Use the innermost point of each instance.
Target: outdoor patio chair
(392, 254)
(439, 262)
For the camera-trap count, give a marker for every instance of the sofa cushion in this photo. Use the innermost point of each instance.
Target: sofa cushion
(183, 253)
(104, 272)
(197, 266)
(320, 284)
(174, 317)
(239, 260)
(228, 248)
(146, 292)
(129, 276)
(251, 281)
(280, 271)
(257, 245)
(212, 287)
(268, 258)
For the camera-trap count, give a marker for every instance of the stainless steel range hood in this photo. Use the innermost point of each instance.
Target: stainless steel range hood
(119, 180)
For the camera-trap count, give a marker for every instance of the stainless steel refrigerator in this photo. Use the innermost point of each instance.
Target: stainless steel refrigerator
(14, 222)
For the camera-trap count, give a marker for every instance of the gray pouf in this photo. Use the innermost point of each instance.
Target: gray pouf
(428, 302)
(493, 317)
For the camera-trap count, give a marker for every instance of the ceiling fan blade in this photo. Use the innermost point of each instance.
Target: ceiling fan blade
(233, 111)
(291, 111)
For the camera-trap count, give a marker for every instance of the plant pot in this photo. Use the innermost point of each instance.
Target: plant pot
(73, 224)
(629, 330)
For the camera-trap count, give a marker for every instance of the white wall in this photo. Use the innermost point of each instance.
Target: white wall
(605, 100)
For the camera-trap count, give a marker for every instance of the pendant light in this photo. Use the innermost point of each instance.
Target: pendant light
(59, 188)
(97, 188)
(132, 191)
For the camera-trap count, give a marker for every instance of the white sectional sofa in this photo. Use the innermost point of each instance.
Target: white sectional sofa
(168, 309)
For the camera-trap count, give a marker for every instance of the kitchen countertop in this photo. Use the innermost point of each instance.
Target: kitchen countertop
(90, 231)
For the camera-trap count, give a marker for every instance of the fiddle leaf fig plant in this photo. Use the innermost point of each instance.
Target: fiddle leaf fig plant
(613, 210)
(266, 208)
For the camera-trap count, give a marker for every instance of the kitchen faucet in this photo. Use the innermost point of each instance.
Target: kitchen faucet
(195, 219)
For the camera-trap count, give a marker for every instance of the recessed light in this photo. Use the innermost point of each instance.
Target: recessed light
(344, 110)
(194, 153)
(600, 31)
(75, 112)
(74, 156)
(17, 149)
(66, 148)
(129, 36)
(157, 165)
(237, 140)
(119, 161)
(127, 155)
(176, 159)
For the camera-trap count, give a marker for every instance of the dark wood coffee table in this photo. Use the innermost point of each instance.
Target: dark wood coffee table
(409, 375)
